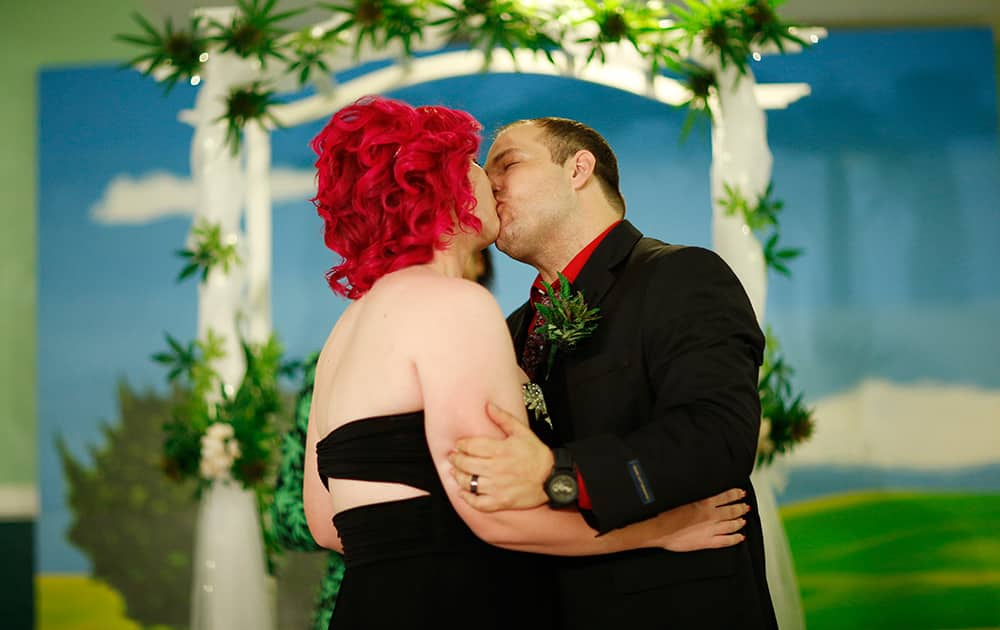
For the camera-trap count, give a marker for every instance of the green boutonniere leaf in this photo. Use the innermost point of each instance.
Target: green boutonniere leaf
(565, 322)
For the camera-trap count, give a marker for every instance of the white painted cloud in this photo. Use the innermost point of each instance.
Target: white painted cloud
(158, 195)
(921, 425)
(131, 200)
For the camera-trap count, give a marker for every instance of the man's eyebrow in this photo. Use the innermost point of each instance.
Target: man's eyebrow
(499, 156)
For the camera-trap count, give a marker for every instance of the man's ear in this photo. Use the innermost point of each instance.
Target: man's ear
(584, 163)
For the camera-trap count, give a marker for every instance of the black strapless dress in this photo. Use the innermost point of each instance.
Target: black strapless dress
(414, 563)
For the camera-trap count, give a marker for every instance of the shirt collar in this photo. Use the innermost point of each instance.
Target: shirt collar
(572, 270)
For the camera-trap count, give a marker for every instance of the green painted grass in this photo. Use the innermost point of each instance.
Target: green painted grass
(898, 560)
(78, 602)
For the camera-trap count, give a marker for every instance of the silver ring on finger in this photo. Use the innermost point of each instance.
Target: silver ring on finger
(474, 484)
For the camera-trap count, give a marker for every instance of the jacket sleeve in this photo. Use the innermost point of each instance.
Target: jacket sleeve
(702, 349)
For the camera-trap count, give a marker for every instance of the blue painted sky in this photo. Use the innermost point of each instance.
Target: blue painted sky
(889, 174)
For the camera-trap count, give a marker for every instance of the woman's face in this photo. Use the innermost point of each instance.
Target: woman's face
(486, 207)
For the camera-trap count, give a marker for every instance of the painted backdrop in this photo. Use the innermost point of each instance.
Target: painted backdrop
(889, 172)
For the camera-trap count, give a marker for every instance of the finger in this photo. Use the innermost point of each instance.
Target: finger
(478, 446)
(507, 423)
(733, 494)
(728, 512)
(464, 482)
(728, 540)
(481, 502)
(729, 527)
(462, 479)
(467, 464)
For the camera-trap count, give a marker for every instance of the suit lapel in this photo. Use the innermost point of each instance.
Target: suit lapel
(597, 276)
(594, 281)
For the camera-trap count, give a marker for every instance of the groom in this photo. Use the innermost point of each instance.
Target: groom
(656, 408)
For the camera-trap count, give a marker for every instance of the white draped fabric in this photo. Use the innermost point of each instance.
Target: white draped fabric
(767, 482)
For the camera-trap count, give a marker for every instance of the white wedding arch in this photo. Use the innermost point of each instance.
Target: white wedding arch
(233, 192)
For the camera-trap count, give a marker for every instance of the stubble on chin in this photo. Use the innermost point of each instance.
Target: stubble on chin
(502, 243)
(511, 244)
(506, 241)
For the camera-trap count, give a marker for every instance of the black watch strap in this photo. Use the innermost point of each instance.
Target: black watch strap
(563, 460)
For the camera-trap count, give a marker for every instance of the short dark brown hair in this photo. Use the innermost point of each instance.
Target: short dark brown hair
(564, 137)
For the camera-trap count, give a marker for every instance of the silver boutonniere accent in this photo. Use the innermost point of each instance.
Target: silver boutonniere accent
(535, 402)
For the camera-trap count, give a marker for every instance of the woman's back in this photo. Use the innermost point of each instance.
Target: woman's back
(411, 561)
(366, 371)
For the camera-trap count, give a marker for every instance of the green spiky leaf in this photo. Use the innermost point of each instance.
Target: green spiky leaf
(181, 52)
(207, 252)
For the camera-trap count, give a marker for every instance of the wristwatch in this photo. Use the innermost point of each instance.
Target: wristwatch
(561, 485)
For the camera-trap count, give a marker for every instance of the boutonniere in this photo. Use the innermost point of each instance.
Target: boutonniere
(565, 322)
(534, 400)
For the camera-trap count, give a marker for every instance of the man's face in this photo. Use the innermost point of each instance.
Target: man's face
(533, 195)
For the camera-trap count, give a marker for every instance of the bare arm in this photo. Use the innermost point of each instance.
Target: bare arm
(464, 358)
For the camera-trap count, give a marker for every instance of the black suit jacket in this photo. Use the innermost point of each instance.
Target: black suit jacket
(659, 408)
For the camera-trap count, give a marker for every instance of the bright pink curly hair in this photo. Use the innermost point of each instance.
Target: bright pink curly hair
(391, 181)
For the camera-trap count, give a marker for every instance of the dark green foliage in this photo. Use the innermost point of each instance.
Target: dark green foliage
(701, 82)
(254, 31)
(622, 20)
(309, 50)
(566, 321)
(730, 28)
(490, 24)
(382, 21)
(253, 411)
(734, 28)
(180, 51)
(761, 218)
(208, 251)
(287, 513)
(777, 258)
(790, 420)
(245, 104)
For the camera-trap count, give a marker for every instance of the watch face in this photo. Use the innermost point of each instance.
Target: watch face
(562, 487)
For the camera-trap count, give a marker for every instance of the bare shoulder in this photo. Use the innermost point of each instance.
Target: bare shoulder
(424, 303)
(424, 294)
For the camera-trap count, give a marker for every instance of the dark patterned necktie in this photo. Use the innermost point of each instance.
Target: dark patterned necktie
(534, 353)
